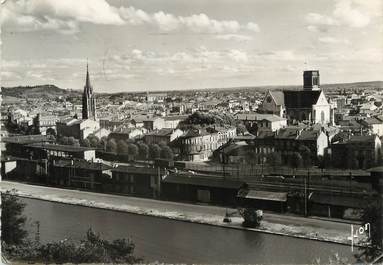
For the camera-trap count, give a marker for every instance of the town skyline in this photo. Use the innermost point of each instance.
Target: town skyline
(198, 45)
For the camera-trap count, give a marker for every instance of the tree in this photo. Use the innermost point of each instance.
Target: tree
(241, 129)
(373, 216)
(132, 151)
(64, 140)
(167, 153)
(295, 160)
(143, 151)
(12, 219)
(71, 140)
(122, 147)
(306, 155)
(204, 119)
(103, 142)
(274, 159)
(111, 146)
(51, 131)
(85, 143)
(76, 142)
(154, 151)
(93, 140)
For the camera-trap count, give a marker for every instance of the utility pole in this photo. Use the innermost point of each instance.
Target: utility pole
(305, 188)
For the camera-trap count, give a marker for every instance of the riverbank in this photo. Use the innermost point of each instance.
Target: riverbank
(307, 228)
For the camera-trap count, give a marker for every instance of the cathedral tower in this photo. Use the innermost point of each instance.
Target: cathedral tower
(88, 100)
(311, 80)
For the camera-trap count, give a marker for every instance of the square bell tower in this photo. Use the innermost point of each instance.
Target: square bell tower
(311, 80)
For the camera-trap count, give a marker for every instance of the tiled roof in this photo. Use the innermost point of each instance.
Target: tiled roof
(372, 120)
(361, 138)
(308, 135)
(176, 117)
(162, 132)
(287, 133)
(278, 97)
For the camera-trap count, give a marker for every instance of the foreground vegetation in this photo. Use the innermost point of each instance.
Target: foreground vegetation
(17, 244)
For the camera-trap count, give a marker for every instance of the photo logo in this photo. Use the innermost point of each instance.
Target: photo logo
(358, 231)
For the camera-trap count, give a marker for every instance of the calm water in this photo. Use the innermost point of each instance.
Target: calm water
(171, 241)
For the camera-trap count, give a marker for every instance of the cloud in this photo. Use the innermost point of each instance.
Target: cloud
(332, 40)
(63, 16)
(234, 37)
(253, 27)
(238, 56)
(348, 13)
(351, 14)
(318, 19)
(197, 23)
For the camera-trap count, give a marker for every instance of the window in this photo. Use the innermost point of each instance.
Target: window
(322, 116)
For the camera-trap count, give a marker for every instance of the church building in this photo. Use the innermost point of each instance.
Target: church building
(306, 105)
(82, 128)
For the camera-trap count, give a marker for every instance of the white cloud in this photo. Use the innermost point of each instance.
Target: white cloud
(238, 56)
(134, 16)
(198, 23)
(234, 37)
(318, 19)
(63, 16)
(348, 13)
(166, 22)
(252, 27)
(332, 40)
(351, 14)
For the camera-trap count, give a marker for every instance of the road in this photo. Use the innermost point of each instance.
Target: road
(58, 194)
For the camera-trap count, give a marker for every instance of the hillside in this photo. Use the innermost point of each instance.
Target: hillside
(52, 91)
(41, 91)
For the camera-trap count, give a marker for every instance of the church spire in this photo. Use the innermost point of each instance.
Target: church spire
(88, 86)
(88, 100)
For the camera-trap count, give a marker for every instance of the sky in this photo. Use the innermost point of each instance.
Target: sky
(149, 45)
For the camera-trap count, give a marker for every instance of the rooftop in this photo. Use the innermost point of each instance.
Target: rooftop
(258, 117)
(83, 164)
(27, 139)
(162, 132)
(203, 181)
(62, 148)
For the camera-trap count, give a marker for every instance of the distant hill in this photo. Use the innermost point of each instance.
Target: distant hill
(52, 91)
(347, 86)
(40, 91)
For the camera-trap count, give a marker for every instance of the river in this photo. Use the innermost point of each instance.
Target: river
(170, 241)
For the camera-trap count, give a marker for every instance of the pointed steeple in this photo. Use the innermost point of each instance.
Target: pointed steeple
(88, 86)
(88, 99)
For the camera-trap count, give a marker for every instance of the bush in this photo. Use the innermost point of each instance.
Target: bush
(92, 249)
(12, 219)
(154, 151)
(252, 218)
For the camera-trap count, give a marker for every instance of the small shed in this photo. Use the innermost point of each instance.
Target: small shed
(265, 200)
